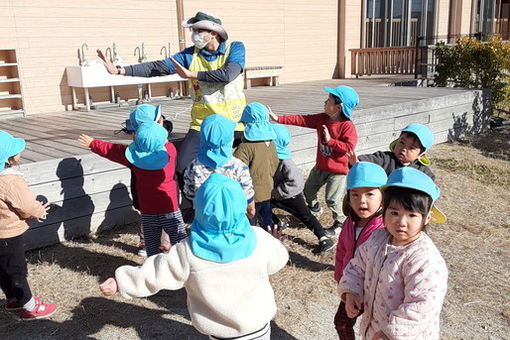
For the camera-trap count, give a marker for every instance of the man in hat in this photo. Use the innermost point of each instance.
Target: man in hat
(214, 65)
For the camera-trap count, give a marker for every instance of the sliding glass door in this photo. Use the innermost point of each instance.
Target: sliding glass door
(397, 22)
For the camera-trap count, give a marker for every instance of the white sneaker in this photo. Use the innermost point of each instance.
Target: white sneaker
(142, 252)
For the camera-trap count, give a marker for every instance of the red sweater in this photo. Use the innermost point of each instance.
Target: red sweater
(156, 190)
(331, 156)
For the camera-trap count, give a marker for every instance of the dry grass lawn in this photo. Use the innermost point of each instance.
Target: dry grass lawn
(475, 243)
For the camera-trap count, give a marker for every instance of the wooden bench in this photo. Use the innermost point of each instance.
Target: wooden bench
(270, 72)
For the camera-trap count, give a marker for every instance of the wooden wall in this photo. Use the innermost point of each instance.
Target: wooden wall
(301, 36)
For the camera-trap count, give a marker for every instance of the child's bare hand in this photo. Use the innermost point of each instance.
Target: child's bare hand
(277, 233)
(46, 207)
(326, 134)
(380, 336)
(353, 158)
(109, 287)
(272, 115)
(353, 305)
(85, 140)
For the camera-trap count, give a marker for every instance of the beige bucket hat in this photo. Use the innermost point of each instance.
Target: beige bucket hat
(206, 21)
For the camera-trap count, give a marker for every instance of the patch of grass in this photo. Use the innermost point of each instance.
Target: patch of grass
(480, 172)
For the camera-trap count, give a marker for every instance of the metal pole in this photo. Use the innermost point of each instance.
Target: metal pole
(417, 48)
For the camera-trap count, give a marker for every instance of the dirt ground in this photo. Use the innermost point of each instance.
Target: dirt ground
(475, 243)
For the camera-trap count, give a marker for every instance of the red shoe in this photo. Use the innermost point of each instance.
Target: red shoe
(11, 306)
(41, 311)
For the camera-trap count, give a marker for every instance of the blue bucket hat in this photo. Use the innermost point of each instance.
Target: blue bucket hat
(366, 175)
(256, 121)
(141, 114)
(348, 96)
(424, 135)
(221, 231)
(148, 150)
(412, 178)
(216, 136)
(9, 146)
(282, 141)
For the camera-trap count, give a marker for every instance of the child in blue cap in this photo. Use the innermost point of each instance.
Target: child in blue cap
(152, 159)
(258, 151)
(224, 265)
(215, 155)
(363, 208)
(408, 150)
(336, 136)
(287, 193)
(141, 114)
(17, 205)
(398, 275)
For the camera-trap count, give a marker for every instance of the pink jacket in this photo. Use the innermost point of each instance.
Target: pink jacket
(402, 287)
(347, 243)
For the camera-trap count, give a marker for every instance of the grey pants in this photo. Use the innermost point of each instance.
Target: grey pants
(335, 191)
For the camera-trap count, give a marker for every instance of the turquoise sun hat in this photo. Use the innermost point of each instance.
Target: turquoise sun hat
(221, 231)
(412, 178)
(282, 141)
(148, 150)
(216, 136)
(256, 121)
(424, 135)
(366, 175)
(143, 113)
(9, 146)
(348, 96)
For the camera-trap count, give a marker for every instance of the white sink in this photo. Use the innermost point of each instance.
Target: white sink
(96, 75)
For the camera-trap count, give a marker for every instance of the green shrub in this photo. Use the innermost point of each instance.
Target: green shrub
(475, 64)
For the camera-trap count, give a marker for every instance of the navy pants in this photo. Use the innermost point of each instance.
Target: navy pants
(13, 270)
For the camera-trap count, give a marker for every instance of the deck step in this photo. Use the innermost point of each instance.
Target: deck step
(10, 96)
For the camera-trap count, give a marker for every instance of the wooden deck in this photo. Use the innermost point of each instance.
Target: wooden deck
(89, 193)
(53, 136)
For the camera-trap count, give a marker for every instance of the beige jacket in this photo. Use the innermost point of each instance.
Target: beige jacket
(224, 299)
(17, 204)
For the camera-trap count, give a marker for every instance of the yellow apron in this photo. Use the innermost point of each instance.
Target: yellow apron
(211, 97)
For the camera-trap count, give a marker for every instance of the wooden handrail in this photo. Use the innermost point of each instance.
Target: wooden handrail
(384, 60)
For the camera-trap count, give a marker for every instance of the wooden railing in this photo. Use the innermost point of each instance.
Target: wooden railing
(387, 60)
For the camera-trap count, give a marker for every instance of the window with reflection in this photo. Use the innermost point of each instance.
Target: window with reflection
(390, 23)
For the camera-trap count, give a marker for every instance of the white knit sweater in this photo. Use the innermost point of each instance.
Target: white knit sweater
(224, 299)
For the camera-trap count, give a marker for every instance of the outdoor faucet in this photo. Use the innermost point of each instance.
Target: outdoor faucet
(144, 56)
(83, 60)
(106, 53)
(141, 53)
(139, 56)
(166, 51)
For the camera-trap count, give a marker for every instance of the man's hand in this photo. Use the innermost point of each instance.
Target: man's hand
(85, 140)
(353, 158)
(272, 115)
(380, 336)
(325, 133)
(107, 63)
(353, 304)
(182, 71)
(109, 287)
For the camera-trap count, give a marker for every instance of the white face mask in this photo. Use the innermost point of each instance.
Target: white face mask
(198, 39)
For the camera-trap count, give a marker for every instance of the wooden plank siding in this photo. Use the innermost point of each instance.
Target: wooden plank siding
(300, 36)
(90, 193)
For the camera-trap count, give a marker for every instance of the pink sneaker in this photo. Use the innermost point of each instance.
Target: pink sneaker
(11, 306)
(41, 311)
